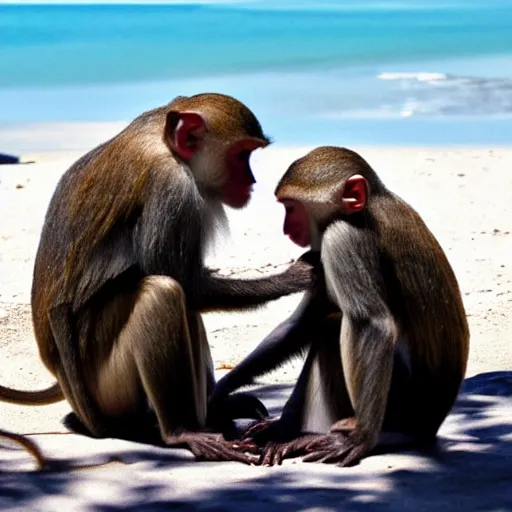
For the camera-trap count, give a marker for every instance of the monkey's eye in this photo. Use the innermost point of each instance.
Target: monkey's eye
(289, 209)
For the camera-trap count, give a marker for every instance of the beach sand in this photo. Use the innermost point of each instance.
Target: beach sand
(463, 194)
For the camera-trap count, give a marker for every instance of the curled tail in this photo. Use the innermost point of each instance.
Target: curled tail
(43, 397)
(27, 443)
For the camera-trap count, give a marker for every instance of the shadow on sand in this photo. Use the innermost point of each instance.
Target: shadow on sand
(470, 470)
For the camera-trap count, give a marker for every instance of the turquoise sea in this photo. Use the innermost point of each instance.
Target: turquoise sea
(345, 72)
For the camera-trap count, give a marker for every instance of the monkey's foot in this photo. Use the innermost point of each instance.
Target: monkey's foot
(264, 431)
(336, 448)
(274, 453)
(211, 447)
(257, 436)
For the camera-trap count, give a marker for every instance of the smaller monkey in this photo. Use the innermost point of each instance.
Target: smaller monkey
(385, 329)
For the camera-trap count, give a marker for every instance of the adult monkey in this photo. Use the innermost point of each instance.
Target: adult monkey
(119, 280)
(387, 333)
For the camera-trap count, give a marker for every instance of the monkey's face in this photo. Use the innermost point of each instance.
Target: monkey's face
(219, 160)
(296, 222)
(237, 188)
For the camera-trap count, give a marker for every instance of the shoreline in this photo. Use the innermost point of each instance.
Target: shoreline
(50, 140)
(465, 133)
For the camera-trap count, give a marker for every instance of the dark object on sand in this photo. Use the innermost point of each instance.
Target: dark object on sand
(8, 159)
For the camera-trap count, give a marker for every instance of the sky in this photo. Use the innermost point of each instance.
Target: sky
(70, 2)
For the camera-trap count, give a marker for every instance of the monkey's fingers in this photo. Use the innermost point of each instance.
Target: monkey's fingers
(354, 456)
(344, 426)
(335, 449)
(210, 447)
(270, 455)
(182, 439)
(327, 455)
(275, 453)
(221, 452)
(261, 429)
(245, 445)
(346, 457)
(192, 440)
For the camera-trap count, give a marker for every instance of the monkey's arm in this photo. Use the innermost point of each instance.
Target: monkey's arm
(225, 293)
(286, 340)
(228, 294)
(168, 240)
(352, 271)
(368, 334)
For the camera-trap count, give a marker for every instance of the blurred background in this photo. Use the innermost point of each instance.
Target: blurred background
(347, 72)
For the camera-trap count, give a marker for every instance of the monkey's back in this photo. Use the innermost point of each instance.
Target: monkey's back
(92, 211)
(423, 288)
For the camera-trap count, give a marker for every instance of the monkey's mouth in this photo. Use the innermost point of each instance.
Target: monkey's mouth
(297, 239)
(238, 197)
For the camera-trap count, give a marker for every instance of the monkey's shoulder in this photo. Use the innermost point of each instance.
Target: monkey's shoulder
(348, 237)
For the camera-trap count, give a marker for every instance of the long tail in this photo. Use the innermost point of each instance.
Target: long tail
(27, 443)
(43, 397)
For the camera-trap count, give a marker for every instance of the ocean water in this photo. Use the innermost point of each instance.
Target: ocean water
(344, 72)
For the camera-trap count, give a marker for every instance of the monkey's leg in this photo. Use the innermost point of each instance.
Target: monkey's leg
(237, 405)
(435, 392)
(339, 447)
(155, 351)
(328, 410)
(318, 399)
(288, 425)
(306, 416)
(202, 361)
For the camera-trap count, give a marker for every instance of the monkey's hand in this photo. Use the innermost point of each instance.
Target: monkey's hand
(275, 452)
(302, 274)
(264, 431)
(211, 447)
(336, 448)
(275, 441)
(311, 258)
(345, 445)
(258, 435)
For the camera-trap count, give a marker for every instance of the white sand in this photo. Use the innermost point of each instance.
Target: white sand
(464, 195)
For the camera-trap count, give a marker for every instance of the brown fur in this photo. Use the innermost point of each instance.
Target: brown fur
(119, 279)
(403, 332)
(29, 445)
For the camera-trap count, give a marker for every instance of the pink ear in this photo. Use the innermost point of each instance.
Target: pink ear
(355, 194)
(184, 133)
